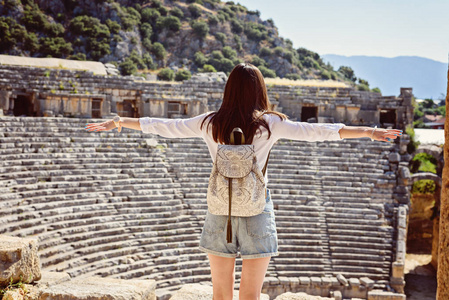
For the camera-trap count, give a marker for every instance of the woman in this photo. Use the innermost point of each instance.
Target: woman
(245, 105)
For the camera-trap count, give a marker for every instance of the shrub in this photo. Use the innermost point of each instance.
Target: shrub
(278, 51)
(148, 61)
(228, 52)
(146, 42)
(195, 10)
(376, 90)
(255, 31)
(78, 56)
(265, 52)
(127, 67)
(363, 87)
(424, 187)
(113, 26)
(200, 28)
(348, 73)
(220, 36)
(236, 26)
(182, 75)
(150, 15)
(213, 20)
(129, 18)
(134, 56)
(163, 10)
(207, 68)
(166, 74)
(293, 76)
(146, 30)
(325, 75)
(267, 72)
(177, 12)
(158, 50)
(238, 42)
(216, 54)
(200, 59)
(257, 61)
(55, 47)
(171, 23)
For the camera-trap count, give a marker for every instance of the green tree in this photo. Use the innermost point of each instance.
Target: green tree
(158, 50)
(228, 52)
(127, 67)
(207, 69)
(171, 23)
(348, 73)
(55, 47)
(199, 59)
(177, 12)
(166, 74)
(150, 15)
(267, 72)
(257, 61)
(182, 75)
(220, 36)
(195, 11)
(200, 28)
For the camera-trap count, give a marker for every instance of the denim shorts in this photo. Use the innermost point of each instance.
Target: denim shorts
(253, 237)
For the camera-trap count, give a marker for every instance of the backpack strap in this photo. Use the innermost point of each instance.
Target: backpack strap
(264, 170)
(242, 136)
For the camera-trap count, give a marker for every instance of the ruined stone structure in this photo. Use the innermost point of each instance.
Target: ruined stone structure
(132, 206)
(51, 92)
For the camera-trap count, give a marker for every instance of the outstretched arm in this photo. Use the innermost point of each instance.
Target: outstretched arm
(132, 123)
(378, 134)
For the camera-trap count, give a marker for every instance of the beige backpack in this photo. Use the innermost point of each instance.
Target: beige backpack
(236, 185)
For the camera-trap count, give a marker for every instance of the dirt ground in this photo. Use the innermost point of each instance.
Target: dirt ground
(420, 277)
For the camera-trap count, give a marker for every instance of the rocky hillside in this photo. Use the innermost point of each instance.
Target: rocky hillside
(196, 36)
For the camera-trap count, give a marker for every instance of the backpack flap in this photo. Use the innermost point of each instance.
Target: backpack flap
(235, 161)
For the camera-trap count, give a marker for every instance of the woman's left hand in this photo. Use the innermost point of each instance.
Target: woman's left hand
(105, 126)
(386, 135)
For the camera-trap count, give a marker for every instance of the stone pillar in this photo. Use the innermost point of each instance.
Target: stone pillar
(443, 257)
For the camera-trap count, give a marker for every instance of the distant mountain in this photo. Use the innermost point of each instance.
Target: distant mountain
(427, 77)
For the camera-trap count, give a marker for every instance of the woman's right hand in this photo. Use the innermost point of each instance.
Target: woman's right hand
(104, 126)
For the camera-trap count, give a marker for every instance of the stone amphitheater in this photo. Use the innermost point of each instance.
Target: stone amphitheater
(132, 205)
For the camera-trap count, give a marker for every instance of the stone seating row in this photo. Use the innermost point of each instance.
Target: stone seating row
(304, 239)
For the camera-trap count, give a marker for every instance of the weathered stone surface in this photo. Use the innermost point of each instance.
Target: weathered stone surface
(52, 278)
(381, 295)
(342, 280)
(97, 288)
(18, 260)
(13, 295)
(299, 296)
(202, 292)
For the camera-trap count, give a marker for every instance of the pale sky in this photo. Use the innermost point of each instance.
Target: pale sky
(387, 28)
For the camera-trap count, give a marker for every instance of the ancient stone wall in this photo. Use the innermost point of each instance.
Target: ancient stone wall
(52, 92)
(132, 206)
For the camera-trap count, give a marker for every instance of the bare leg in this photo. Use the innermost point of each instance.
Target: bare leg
(223, 276)
(253, 274)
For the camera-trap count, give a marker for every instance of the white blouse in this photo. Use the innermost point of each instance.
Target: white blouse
(280, 129)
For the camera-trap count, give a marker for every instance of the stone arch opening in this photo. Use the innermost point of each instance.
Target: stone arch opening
(387, 117)
(23, 106)
(96, 107)
(309, 113)
(127, 108)
(423, 225)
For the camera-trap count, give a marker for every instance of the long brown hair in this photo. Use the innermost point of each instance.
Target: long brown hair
(245, 101)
